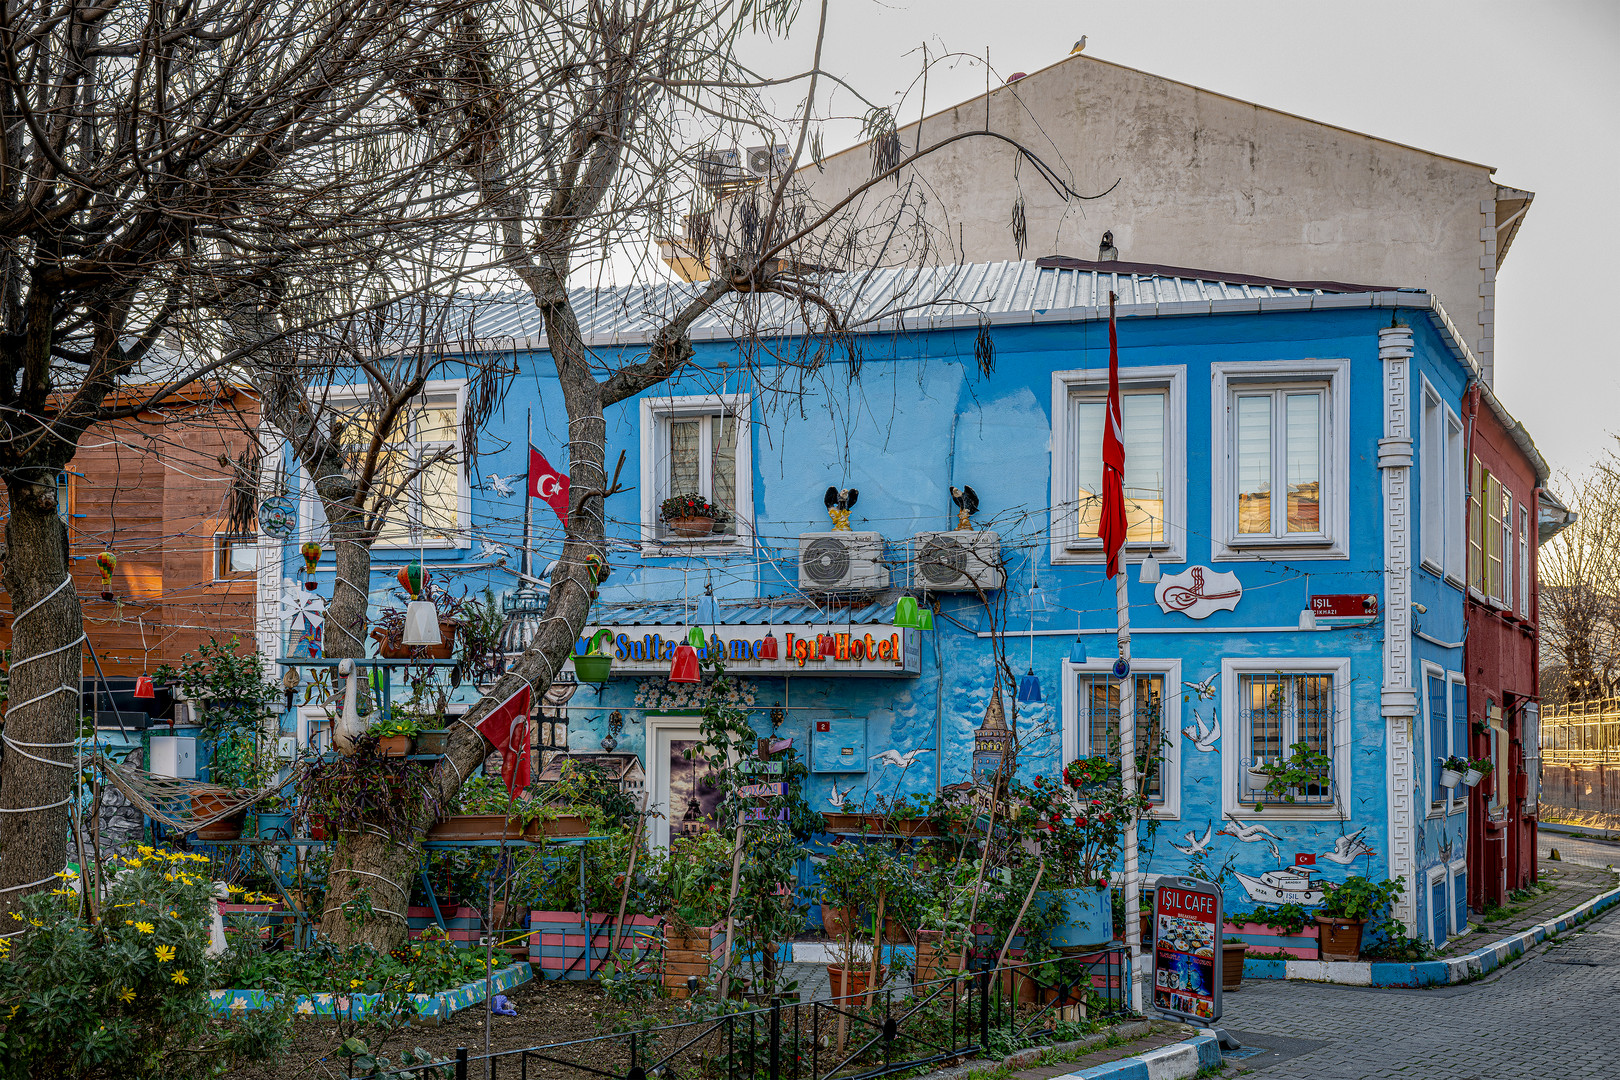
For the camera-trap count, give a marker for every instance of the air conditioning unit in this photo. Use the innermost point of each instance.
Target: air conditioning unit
(842, 562)
(766, 160)
(962, 560)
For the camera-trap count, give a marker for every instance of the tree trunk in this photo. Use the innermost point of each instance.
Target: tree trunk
(42, 716)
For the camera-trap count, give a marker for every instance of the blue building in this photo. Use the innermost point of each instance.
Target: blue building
(1293, 459)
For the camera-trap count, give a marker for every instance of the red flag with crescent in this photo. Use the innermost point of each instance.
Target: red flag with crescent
(548, 484)
(1112, 526)
(507, 729)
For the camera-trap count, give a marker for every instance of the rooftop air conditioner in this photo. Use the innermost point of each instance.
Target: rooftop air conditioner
(766, 160)
(962, 560)
(842, 562)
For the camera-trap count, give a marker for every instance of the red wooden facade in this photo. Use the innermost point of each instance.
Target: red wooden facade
(1500, 653)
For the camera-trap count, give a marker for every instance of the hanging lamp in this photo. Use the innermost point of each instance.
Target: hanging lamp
(1077, 651)
(421, 617)
(925, 618)
(144, 688)
(768, 649)
(1149, 573)
(905, 613)
(684, 667)
(1029, 688)
(107, 562)
(708, 612)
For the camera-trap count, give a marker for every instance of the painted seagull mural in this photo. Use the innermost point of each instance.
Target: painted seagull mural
(1195, 846)
(1205, 691)
(1347, 849)
(895, 757)
(1203, 738)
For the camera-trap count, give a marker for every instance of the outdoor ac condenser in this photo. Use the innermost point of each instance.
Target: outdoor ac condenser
(842, 562)
(962, 560)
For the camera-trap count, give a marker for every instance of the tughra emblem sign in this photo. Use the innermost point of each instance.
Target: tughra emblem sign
(1198, 592)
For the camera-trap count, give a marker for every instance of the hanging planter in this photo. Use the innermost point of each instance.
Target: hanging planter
(1452, 770)
(595, 665)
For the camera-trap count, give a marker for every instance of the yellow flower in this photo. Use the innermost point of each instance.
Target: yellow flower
(235, 890)
(179, 978)
(63, 892)
(144, 927)
(410, 986)
(129, 922)
(144, 849)
(353, 983)
(66, 875)
(16, 916)
(126, 995)
(165, 953)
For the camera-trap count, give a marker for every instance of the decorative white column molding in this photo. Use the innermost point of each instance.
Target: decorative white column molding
(1398, 700)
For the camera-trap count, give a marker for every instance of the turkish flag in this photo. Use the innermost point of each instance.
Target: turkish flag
(548, 484)
(1112, 526)
(507, 729)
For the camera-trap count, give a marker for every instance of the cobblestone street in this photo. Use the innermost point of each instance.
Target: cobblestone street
(1539, 1017)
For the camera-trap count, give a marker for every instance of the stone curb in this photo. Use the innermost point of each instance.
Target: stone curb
(1457, 969)
(1024, 1058)
(1171, 1062)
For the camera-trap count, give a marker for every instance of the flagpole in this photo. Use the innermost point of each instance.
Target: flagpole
(526, 562)
(1127, 780)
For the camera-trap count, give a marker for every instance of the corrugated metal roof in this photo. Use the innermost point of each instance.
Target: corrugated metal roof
(676, 613)
(897, 297)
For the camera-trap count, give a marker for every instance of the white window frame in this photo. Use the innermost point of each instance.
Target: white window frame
(1458, 800)
(1444, 494)
(1509, 546)
(1524, 561)
(1076, 740)
(1234, 748)
(656, 413)
(312, 519)
(1230, 377)
(1068, 548)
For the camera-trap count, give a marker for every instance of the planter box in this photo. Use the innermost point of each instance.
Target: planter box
(1264, 940)
(846, 823)
(463, 923)
(477, 827)
(693, 528)
(430, 1008)
(1086, 918)
(561, 948)
(1232, 965)
(391, 647)
(434, 741)
(698, 956)
(1341, 938)
(931, 964)
(562, 825)
(394, 746)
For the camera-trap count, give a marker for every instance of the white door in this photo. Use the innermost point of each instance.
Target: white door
(681, 795)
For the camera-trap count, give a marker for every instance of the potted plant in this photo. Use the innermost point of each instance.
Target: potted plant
(1233, 950)
(1079, 828)
(1346, 909)
(487, 812)
(1452, 770)
(394, 737)
(1305, 771)
(272, 818)
(595, 664)
(848, 878)
(1478, 769)
(692, 516)
(389, 630)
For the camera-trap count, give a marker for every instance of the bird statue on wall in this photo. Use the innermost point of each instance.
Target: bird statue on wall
(967, 504)
(839, 501)
(1079, 46)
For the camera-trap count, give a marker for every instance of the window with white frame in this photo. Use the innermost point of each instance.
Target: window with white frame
(699, 446)
(1281, 462)
(1445, 711)
(1274, 710)
(1508, 546)
(1444, 497)
(1091, 723)
(1524, 561)
(420, 481)
(1153, 418)
(1490, 540)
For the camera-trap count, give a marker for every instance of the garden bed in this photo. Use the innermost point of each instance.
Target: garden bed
(430, 1008)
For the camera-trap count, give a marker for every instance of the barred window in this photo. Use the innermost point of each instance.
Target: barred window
(1276, 711)
(1099, 723)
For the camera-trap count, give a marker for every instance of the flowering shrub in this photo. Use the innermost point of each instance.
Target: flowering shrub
(1079, 824)
(691, 506)
(425, 967)
(128, 996)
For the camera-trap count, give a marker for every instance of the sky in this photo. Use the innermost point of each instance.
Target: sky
(1532, 89)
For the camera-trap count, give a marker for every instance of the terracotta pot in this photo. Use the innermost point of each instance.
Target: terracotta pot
(1232, 964)
(1014, 980)
(204, 803)
(846, 983)
(693, 528)
(390, 646)
(394, 746)
(1341, 938)
(477, 827)
(835, 921)
(432, 742)
(894, 933)
(566, 825)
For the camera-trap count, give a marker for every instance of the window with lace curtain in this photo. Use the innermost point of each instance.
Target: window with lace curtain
(697, 446)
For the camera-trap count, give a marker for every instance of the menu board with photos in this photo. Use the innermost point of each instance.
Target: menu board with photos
(1187, 949)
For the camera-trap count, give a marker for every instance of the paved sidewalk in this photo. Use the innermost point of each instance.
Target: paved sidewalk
(1542, 1015)
(1581, 874)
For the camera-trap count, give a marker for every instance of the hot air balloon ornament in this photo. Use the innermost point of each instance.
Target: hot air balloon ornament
(311, 551)
(108, 562)
(413, 579)
(421, 616)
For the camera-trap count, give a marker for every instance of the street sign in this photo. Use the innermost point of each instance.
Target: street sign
(1345, 605)
(764, 813)
(760, 768)
(763, 791)
(1187, 949)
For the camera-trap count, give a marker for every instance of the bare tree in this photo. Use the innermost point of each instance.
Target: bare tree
(1579, 575)
(157, 157)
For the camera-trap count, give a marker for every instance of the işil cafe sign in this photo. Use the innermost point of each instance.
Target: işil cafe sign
(797, 649)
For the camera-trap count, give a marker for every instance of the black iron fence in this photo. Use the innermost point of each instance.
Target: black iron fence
(884, 1031)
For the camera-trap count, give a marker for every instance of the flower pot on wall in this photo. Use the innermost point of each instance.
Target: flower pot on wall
(1472, 777)
(1450, 778)
(1232, 955)
(1084, 917)
(1341, 938)
(692, 528)
(593, 669)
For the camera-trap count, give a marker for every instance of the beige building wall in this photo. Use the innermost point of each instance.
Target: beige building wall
(1204, 181)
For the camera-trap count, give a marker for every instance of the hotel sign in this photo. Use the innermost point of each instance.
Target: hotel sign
(861, 649)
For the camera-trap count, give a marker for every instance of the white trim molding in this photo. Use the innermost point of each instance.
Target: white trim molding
(654, 412)
(1398, 697)
(1234, 749)
(1075, 742)
(1227, 376)
(1172, 378)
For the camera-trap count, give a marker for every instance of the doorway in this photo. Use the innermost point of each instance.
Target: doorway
(681, 792)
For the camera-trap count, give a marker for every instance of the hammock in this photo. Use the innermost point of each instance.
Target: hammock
(185, 805)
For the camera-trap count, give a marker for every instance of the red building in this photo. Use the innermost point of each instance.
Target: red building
(1500, 652)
